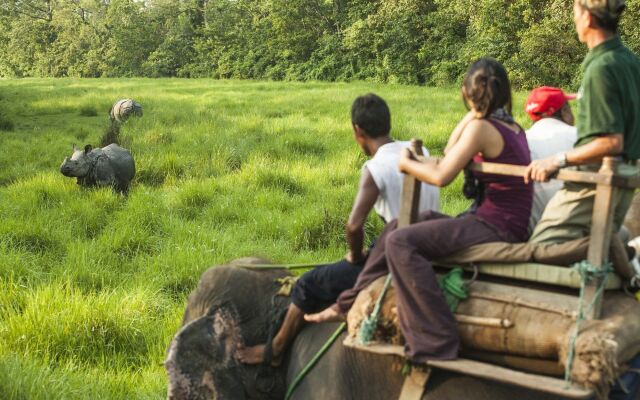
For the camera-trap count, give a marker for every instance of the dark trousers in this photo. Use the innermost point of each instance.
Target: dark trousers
(318, 288)
(428, 326)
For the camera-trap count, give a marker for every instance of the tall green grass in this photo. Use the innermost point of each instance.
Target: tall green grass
(92, 284)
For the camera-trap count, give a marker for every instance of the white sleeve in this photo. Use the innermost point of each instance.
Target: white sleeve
(376, 173)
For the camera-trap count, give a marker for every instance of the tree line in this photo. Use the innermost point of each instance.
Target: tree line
(406, 41)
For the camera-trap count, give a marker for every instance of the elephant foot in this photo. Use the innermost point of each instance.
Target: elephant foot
(330, 314)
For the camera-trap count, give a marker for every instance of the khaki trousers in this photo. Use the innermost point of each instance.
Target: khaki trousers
(569, 214)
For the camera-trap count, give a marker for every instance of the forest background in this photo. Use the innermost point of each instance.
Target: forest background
(393, 41)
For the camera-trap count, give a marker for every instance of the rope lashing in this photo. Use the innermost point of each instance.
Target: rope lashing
(453, 288)
(314, 360)
(587, 272)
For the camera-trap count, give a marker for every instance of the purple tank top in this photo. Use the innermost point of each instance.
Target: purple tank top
(507, 200)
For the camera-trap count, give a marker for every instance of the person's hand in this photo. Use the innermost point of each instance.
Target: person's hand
(541, 170)
(405, 158)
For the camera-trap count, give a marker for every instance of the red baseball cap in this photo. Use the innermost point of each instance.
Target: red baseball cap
(545, 101)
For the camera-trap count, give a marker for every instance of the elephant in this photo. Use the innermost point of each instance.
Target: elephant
(234, 305)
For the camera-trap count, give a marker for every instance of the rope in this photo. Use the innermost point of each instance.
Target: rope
(587, 272)
(369, 324)
(313, 361)
(280, 266)
(453, 288)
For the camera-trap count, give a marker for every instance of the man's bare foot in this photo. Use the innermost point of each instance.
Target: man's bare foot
(251, 355)
(330, 314)
(255, 355)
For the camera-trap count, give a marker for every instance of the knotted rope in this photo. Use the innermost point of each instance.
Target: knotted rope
(453, 288)
(587, 272)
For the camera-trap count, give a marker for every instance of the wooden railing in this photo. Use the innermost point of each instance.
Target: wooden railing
(606, 181)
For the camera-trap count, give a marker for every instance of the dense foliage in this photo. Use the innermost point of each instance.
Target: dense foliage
(407, 41)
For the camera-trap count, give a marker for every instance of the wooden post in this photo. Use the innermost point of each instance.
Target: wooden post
(410, 200)
(414, 384)
(601, 230)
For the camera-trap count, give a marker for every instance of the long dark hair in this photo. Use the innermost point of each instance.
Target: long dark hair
(486, 85)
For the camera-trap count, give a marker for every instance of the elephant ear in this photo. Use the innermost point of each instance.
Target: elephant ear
(201, 361)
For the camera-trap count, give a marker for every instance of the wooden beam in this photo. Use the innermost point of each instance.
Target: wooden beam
(600, 240)
(410, 200)
(563, 175)
(486, 371)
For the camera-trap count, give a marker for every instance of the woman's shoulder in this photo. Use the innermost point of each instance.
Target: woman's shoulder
(481, 126)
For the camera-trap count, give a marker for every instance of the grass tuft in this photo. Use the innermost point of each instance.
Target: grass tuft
(6, 123)
(88, 111)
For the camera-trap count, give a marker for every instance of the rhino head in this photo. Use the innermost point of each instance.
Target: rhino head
(79, 164)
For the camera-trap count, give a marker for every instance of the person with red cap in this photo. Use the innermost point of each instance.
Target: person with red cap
(551, 133)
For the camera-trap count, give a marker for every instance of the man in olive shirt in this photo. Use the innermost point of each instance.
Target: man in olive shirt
(608, 123)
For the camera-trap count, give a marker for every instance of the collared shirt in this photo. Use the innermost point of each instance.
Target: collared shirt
(609, 98)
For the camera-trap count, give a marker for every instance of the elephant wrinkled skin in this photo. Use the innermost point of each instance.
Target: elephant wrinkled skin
(234, 306)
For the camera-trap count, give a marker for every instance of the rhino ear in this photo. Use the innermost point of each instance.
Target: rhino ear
(74, 147)
(87, 148)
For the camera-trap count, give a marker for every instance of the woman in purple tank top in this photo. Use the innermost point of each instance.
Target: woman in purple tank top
(500, 213)
(486, 133)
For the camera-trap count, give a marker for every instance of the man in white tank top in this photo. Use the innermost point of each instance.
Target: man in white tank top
(380, 188)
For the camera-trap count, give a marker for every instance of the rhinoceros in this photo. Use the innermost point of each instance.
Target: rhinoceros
(108, 166)
(123, 109)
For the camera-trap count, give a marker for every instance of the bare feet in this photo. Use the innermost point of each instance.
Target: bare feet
(255, 355)
(250, 355)
(330, 314)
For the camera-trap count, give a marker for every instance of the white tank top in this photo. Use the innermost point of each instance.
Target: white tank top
(384, 170)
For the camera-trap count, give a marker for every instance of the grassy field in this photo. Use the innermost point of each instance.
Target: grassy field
(92, 285)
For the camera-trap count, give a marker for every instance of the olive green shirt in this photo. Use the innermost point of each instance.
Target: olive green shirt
(609, 98)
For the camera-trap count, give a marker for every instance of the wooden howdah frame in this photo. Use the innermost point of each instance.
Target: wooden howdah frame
(606, 182)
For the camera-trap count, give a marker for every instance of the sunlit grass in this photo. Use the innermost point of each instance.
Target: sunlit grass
(92, 284)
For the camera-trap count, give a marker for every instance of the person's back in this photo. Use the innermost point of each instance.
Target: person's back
(380, 188)
(506, 201)
(383, 167)
(552, 132)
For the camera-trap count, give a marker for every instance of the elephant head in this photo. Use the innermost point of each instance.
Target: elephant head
(231, 306)
(200, 360)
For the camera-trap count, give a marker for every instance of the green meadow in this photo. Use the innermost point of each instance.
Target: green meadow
(93, 284)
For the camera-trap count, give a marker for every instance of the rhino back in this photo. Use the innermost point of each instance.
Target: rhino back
(121, 161)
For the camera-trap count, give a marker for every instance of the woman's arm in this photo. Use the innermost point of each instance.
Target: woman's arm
(457, 131)
(475, 138)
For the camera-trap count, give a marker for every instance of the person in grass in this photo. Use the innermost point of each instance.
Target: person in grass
(608, 123)
(380, 188)
(486, 133)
